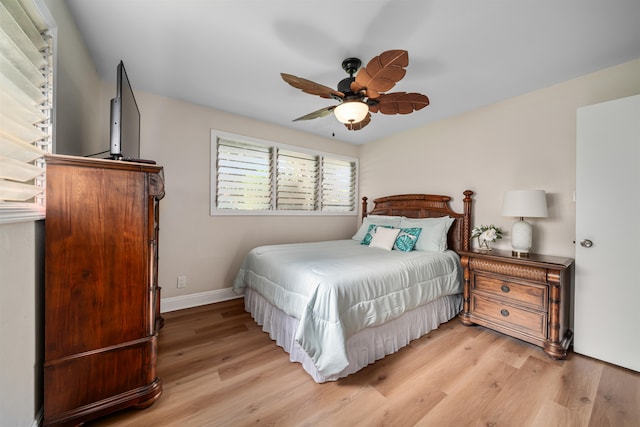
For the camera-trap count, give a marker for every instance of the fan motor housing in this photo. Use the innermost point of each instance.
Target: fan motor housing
(350, 65)
(344, 85)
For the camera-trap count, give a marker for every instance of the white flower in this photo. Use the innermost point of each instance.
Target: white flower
(488, 235)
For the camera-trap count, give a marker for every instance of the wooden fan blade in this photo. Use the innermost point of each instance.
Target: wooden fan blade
(360, 124)
(381, 73)
(316, 114)
(313, 88)
(399, 103)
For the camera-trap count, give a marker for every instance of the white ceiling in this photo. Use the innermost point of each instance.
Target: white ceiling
(463, 54)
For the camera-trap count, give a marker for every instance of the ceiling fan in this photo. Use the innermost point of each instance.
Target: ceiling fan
(362, 95)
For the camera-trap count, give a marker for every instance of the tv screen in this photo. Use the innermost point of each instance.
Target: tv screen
(125, 120)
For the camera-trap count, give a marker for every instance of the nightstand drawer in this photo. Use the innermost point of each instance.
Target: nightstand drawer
(533, 295)
(530, 322)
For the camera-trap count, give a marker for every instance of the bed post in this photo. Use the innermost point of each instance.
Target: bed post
(466, 221)
(364, 207)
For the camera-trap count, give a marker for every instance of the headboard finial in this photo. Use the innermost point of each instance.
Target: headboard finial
(466, 222)
(364, 206)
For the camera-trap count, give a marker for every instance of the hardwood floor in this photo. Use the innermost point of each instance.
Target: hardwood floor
(220, 369)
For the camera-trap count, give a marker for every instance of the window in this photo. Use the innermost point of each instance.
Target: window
(297, 181)
(338, 192)
(26, 80)
(256, 177)
(243, 176)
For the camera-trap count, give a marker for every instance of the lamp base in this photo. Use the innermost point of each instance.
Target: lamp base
(520, 254)
(521, 237)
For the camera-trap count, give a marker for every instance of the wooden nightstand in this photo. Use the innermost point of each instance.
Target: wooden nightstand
(526, 298)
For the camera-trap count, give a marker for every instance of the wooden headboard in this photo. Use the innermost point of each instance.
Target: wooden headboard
(428, 206)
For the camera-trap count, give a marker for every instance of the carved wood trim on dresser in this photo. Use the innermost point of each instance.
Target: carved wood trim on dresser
(526, 298)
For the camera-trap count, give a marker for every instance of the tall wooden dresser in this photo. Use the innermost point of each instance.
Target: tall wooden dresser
(101, 289)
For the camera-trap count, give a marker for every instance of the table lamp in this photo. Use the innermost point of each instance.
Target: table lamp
(523, 203)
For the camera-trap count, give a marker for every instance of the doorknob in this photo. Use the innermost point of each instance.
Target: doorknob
(586, 243)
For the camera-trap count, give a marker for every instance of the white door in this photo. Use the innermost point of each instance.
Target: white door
(607, 282)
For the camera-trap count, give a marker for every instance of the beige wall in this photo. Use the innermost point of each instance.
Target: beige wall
(21, 284)
(527, 142)
(209, 249)
(78, 114)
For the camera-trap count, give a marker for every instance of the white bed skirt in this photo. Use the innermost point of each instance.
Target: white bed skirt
(363, 348)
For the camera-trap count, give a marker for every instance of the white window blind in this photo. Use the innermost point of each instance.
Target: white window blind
(338, 185)
(25, 117)
(251, 176)
(297, 181)
(244, 176)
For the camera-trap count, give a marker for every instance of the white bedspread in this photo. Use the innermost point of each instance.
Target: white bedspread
(337, 288)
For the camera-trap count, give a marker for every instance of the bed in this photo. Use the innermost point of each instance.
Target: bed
(338, 306)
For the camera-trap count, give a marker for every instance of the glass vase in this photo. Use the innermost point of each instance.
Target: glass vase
(484, 245)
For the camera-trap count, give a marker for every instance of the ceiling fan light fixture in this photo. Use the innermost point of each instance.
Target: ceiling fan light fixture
(365, 92)
(351, 111)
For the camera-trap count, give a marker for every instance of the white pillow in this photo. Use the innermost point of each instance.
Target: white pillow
(434, 232)
(393, 221)
(384, 238)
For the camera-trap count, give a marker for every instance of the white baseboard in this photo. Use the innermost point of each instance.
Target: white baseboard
(38, 421)
(195, 300)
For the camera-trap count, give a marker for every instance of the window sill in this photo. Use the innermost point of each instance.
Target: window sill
(231, 212)
(20, 212)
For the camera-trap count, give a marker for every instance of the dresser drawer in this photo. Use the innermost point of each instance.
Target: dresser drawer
(533, 295)
(529, 322)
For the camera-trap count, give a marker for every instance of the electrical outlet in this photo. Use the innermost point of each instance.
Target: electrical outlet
(182, 282)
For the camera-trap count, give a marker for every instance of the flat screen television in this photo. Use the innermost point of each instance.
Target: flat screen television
(125, 120)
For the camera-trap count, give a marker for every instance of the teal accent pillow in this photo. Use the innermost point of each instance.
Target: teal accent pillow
(407, 239)
(370, 232)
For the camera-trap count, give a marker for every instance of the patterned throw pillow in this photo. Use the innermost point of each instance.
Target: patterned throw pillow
(407, 239)
(370, 232)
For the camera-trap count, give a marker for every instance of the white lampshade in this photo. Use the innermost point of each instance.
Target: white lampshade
(351, 111)
(523, 203)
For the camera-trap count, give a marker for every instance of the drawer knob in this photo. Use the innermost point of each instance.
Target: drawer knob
(504, 312)
(505, 288)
